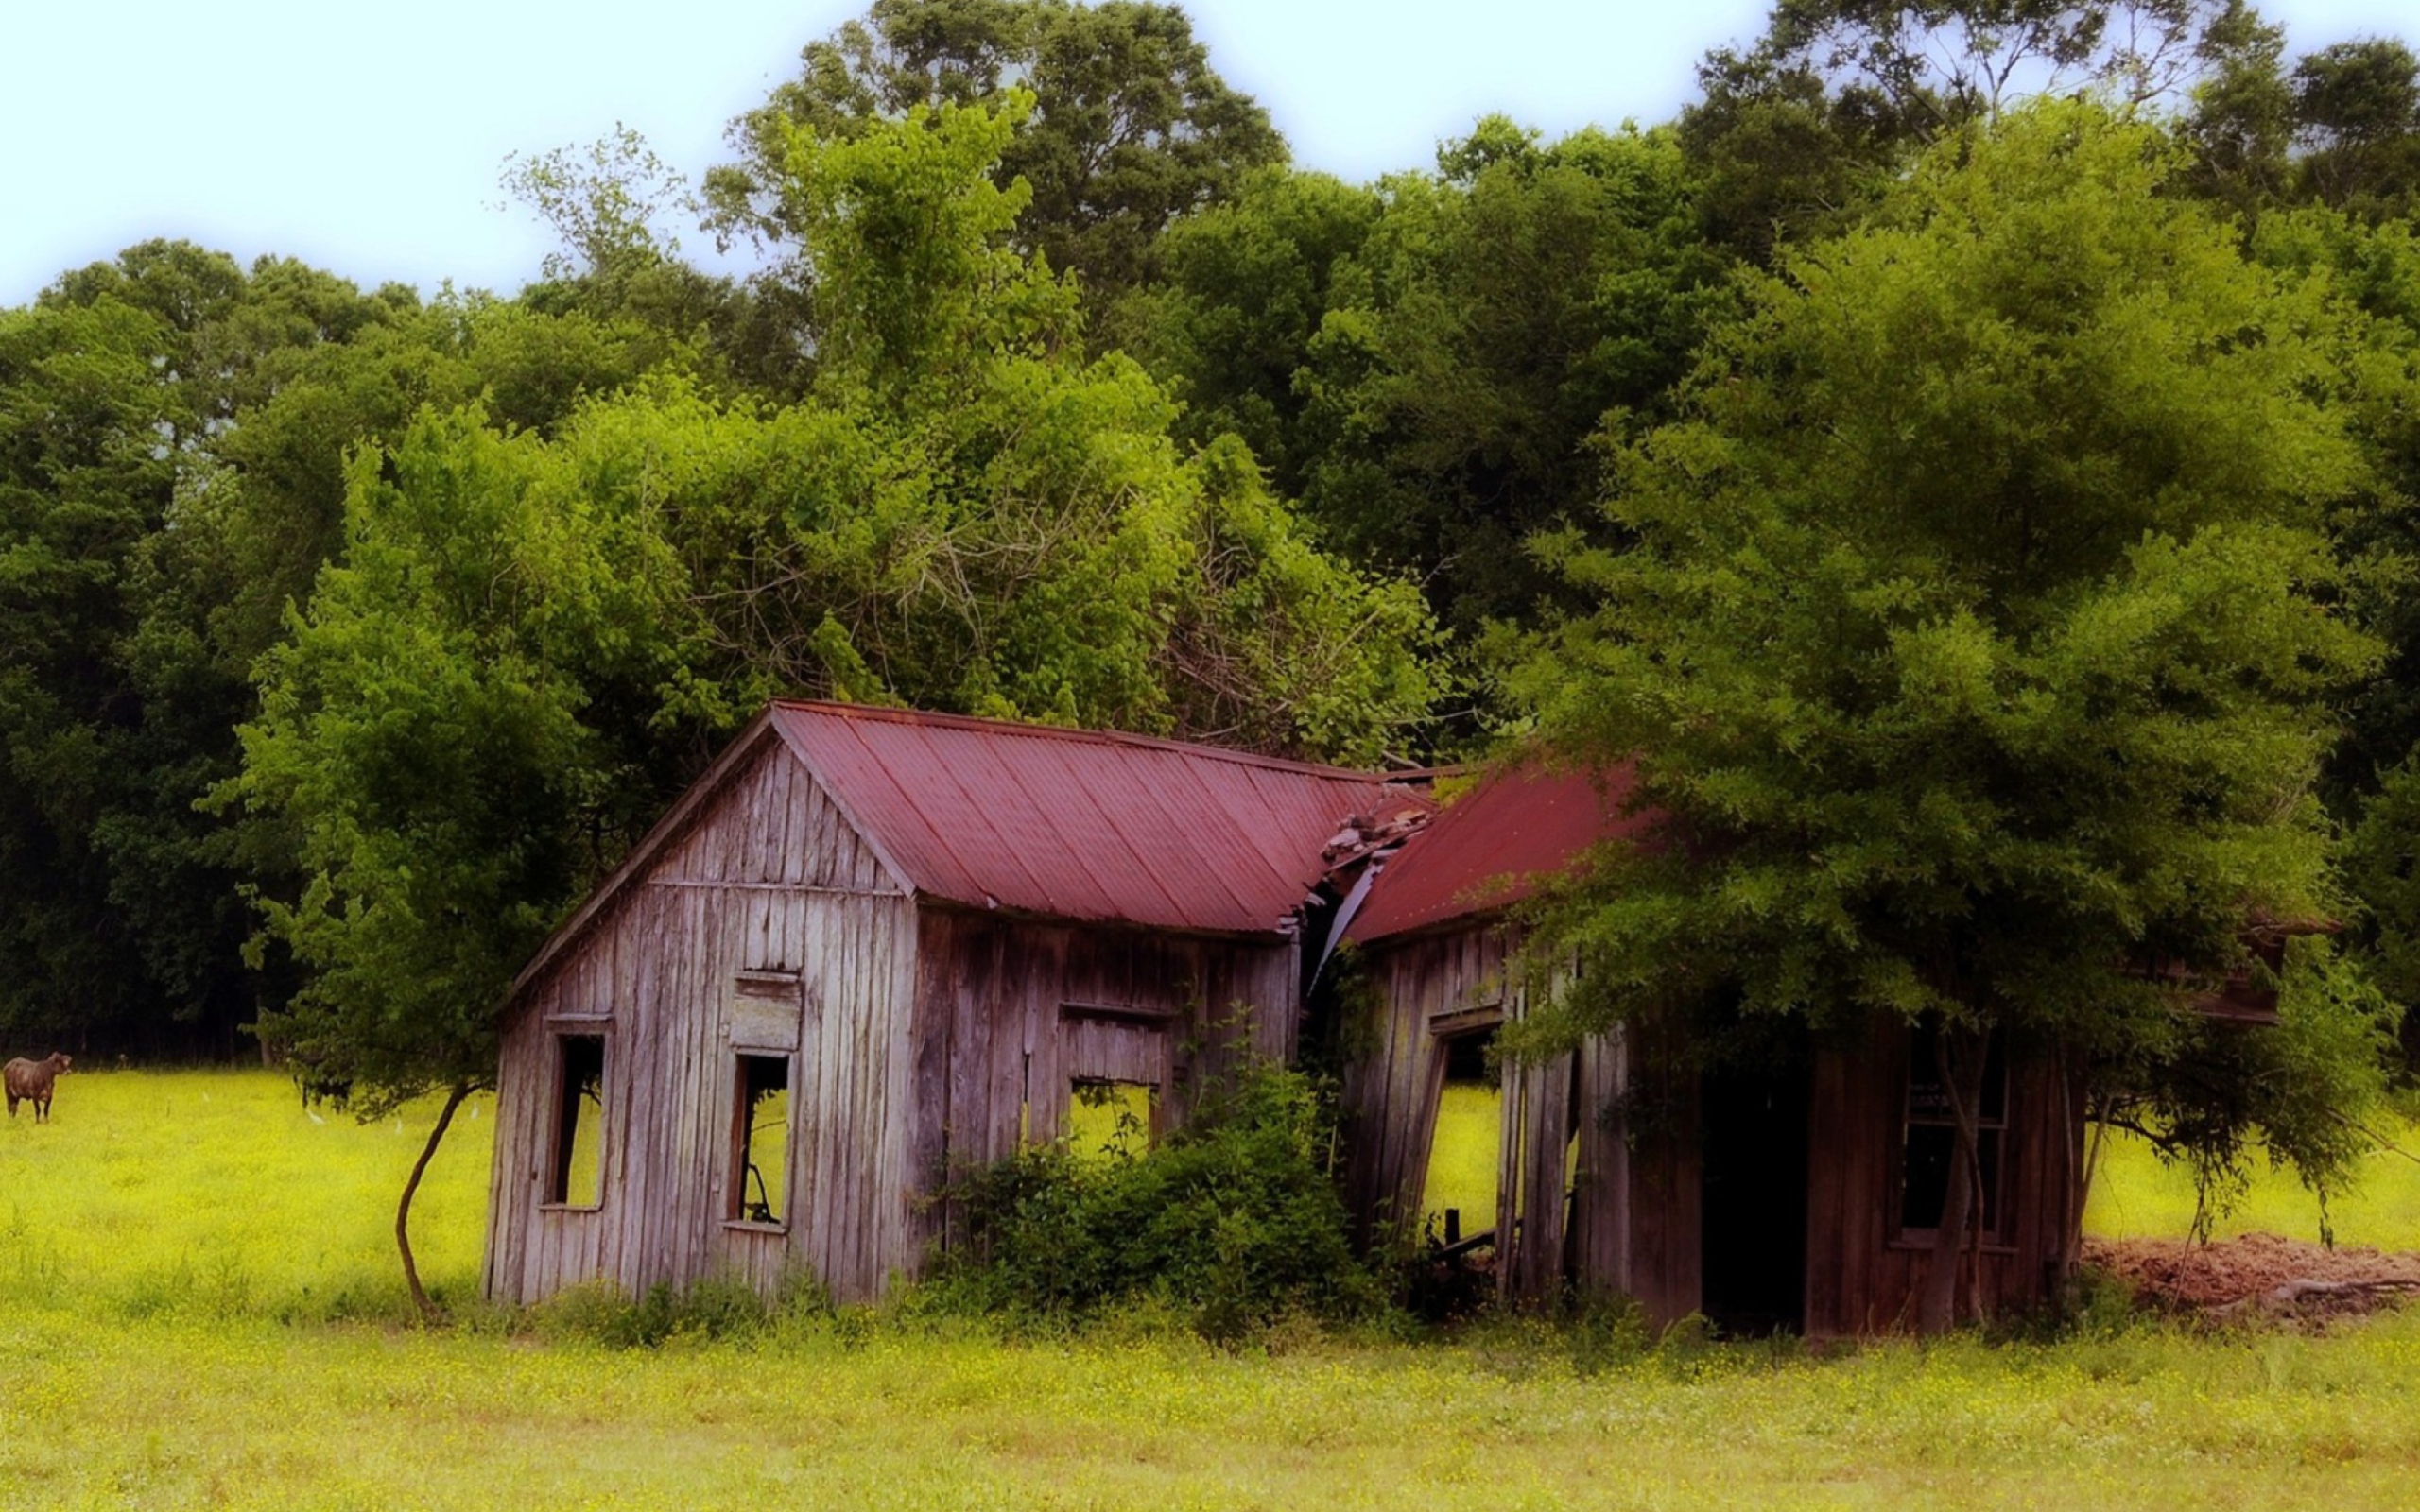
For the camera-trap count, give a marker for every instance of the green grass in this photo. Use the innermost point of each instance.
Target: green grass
(197, 1291)
(2136, 1195)
(164, 1414)
(218, 1192)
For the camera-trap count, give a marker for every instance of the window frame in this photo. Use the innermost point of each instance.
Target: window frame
(562, 1132)
(2000, 1236)
(736, 1163)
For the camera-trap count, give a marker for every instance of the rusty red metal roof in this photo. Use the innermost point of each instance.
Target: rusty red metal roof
(1082, 825)
(1521, 826)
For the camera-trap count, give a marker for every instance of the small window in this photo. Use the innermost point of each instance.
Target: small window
(1109, 1120)
(1932, 1135)
(575, 1173)
(760, 1140)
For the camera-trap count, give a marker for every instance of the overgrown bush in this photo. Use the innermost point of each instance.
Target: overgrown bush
(1231, 1222)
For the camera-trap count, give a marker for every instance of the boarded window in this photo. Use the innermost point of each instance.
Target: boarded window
(760, 1140)
(575, 1169)
(1109, 1120)
(1466, 1152)
(1932, 1134)
(1117, 1063)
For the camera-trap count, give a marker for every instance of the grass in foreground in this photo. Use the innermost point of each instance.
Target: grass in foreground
(179, 1414)
(160, 1240)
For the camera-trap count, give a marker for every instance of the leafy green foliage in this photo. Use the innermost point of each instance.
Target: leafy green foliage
(116, 389)
(2307, 1094)
(1423, 364)
(2358, 106)
(968, 514)
(1232, 1220)
(176, 479)
(1798, 135)
(428, 732)
(1978, 636)
(2340, 128)
(1131, 127)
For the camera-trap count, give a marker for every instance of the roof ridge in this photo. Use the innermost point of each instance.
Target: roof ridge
(1100, 737)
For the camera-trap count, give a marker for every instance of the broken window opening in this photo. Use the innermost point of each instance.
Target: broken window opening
(1466, 1147)
(760, 1140)
(1109, 1120)
(1931, 1135)
(576, 1172)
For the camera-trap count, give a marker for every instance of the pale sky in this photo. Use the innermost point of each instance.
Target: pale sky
(367, 139)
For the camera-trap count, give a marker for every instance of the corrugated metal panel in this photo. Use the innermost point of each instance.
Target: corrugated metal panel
(1493, 845)
(1081, 825)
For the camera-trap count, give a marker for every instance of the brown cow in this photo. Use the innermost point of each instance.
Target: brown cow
(31, 1080)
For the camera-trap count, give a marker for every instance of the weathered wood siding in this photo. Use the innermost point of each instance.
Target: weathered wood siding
(770, 880)
(1394, 1067)
(1601, 1187)
(1861, 1275)
(1661, 1231)
(1010, 1012)
(1570, 1190)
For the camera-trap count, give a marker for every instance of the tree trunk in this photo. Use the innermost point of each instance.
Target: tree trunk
(2083, 1163)
(428, 1310)
(1960, 1057)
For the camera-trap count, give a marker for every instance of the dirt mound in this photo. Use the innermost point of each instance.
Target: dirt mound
(2261, 1272)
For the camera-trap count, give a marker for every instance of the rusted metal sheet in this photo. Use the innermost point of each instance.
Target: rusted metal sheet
(1082, 826)
(1495, 845)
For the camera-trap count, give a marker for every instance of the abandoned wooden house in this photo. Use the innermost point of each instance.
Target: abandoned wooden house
(1804, 1195)
(868, 945)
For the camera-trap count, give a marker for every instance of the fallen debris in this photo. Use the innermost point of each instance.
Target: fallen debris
(2258, 1273)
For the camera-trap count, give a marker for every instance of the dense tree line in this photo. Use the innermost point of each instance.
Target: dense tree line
(1950, 395)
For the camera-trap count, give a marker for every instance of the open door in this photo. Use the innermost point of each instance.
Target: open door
(1755, 1145)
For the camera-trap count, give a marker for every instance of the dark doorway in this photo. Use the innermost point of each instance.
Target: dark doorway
(1754, 1144)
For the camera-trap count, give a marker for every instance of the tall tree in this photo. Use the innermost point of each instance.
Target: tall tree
(2357, 105)
(2240, 123)
(1798, 133)
(177, 428)
(1130, 126)
(83, 478)
(1976, 643)
(116, 387)
(1424, 363)
(430, 735)
(2374, 773)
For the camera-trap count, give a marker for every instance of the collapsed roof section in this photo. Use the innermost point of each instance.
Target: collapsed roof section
(1521, 827)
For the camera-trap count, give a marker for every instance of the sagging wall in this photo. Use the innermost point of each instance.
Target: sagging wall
(1575, 1199)
(1622, 1117)
(1009, 1012)
(771, 894)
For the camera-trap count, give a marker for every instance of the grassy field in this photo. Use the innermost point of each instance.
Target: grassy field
(2133, 1196)
(217, 1193)
(197, 1286)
